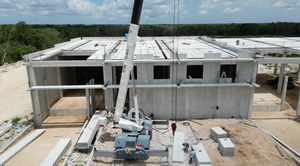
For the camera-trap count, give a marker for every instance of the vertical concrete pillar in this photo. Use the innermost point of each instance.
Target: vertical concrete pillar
(254, 72)
(34, 98)
(88, 107)
(58, 75)
(37, 109)
(251, 102)
(108, 93)
(298, 108)
(279, 87)
(93, 96)
(275, 67)
(284, 92)
(298, 78)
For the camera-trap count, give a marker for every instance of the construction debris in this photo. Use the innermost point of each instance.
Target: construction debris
(57, 152)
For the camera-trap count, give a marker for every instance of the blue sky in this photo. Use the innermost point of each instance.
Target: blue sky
(154, 11)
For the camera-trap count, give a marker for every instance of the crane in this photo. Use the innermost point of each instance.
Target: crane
(134, 142)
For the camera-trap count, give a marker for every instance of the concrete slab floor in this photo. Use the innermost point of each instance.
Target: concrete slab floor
(253, 147)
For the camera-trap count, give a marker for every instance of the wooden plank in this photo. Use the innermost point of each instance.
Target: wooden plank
(178, 153)
(21, 145)
(57, 152)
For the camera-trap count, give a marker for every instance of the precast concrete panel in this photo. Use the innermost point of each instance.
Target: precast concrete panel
(180, 107)
(230, 101)
(222, 103)
(214, 98)
(108, 93)
(206, 103)
(245, 71)
(158, 103)
(210, 72)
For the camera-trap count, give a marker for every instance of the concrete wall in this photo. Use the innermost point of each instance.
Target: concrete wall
(200, 102)
(46, 76)
(195, 102)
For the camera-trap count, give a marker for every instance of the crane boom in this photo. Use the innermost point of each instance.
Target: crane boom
(128, 60)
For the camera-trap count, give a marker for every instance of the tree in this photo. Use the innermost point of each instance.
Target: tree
(4, 46)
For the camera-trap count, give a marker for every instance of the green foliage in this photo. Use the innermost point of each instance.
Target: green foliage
(26, 38)
(5, 121)
(15, 121)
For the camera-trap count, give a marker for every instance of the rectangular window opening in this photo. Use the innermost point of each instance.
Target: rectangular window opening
(230, 70)
(194, 71)
(161, 72)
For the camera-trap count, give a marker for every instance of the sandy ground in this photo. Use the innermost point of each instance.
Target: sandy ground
(15, 100)
(252, 147)
(37, 151)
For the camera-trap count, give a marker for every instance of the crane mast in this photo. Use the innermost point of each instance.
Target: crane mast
(128, 64)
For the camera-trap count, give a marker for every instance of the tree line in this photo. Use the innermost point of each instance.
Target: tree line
(19, 39)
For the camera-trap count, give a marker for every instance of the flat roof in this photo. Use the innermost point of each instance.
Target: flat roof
(252, 43)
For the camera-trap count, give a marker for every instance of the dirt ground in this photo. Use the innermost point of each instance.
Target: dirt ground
(252, 147)
(15, 100)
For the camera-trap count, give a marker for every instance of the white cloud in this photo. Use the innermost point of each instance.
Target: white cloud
(203, 11)
(185, 12)
(227, 3)
(228, 10)
(280, 4)
(289, 9)
(108, 9)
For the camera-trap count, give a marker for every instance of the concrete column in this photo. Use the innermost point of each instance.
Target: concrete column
(284, 92)
(275, 67)
(298, 79)
(58, 74)
(251, 102)
(279, 87)
(298, 108)
(88, 107)
(254, 72)
(108, 93)
(36, 108)
(93, 96)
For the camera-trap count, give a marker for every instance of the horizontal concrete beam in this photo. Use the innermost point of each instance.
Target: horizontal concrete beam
(58, 87)
(89, 63)
(267, 50)
(77, 53)
(279, 60)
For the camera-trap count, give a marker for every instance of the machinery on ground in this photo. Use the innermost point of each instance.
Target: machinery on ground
(134, 142)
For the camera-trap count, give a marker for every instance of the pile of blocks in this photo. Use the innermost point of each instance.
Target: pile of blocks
(225, 145)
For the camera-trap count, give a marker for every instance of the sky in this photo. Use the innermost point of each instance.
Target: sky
(153, 12)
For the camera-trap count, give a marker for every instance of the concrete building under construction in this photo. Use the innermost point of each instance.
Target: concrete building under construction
(176, 77)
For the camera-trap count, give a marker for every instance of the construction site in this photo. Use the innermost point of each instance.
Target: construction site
(184, 100)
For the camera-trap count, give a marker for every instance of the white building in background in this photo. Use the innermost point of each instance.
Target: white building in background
(176, 77)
